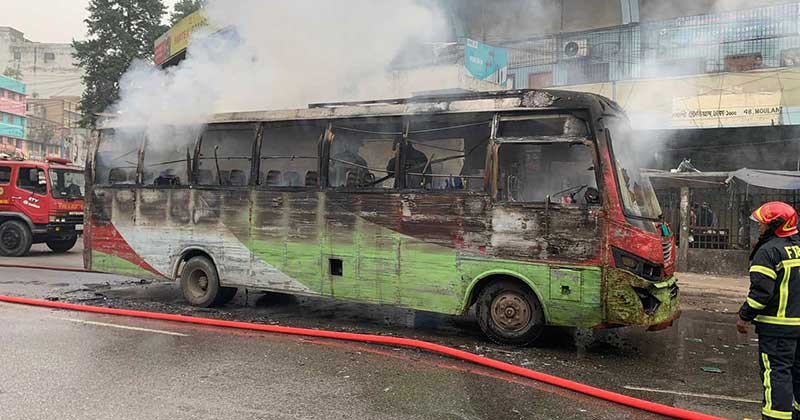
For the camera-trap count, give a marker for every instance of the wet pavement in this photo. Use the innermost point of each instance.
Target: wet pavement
(42, 256)
(700, 364)
(76, 366)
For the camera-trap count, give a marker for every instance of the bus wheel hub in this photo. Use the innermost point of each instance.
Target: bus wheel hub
(511, 311)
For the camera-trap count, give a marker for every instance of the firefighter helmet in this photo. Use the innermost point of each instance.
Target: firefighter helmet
(780, 217)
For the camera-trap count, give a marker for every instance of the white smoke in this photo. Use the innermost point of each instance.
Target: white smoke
(278, 54)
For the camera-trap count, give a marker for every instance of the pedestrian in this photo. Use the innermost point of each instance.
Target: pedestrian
(773, 305)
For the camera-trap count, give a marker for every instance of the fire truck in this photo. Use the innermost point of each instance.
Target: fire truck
(40, 202)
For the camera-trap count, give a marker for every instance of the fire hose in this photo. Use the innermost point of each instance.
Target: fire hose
(610, 396)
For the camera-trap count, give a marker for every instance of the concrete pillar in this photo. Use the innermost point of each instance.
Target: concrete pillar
(683, 246)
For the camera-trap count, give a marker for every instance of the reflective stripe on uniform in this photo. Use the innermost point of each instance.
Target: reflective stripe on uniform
(764, 270)
(767, 384)
(784, 293)
(783, 415)
(795, 405)
(778, 321)
(788, 264)
(755, 305)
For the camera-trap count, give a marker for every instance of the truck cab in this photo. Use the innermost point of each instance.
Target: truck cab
(40, 202)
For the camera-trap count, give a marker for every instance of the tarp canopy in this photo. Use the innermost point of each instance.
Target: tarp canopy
(778, 180)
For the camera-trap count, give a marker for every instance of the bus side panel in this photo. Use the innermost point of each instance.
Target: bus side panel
(110, 252)
(284, 238)
(434, 226)
(365, 251)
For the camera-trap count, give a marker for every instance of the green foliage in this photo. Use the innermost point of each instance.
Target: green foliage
(13, 73)
(185, 8)
(120, 31)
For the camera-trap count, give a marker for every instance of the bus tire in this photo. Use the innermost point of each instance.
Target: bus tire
(15, 239)
(60, 246)
(200, 282)
(225, 295)
(509, 313)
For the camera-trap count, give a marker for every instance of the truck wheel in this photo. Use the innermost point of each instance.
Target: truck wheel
(510, 314)
(200, 282)
(61, 246)
(15, 239)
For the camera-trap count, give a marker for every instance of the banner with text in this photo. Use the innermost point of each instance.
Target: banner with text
(730, 110)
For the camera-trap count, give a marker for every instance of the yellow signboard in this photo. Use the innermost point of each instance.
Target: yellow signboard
(177, 39)
(727, 110)
(180, 34)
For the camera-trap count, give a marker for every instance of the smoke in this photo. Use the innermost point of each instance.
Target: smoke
(278, 54)
(258, 55)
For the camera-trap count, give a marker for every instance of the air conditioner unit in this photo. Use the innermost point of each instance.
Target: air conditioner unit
(575, 49)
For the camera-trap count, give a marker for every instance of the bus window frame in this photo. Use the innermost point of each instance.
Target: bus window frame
(496, 142)
(487, 171)
(194, 164)
(91, 164)
(399, 158)
(260, 185)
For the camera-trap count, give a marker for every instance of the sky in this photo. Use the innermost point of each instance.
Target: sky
(49, 20)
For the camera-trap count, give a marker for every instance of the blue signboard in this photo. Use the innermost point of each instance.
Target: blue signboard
(485, 62)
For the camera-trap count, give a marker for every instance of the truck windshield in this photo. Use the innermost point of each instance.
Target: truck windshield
(638, 196)
(66, 183)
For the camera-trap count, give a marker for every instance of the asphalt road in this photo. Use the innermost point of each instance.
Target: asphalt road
(64, 365)
(41, 255)
(700, 364)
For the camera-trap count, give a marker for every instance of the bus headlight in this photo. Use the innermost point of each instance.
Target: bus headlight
(636, 265)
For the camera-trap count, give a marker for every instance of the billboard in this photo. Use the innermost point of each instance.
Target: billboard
(177, 39)
(485, 62)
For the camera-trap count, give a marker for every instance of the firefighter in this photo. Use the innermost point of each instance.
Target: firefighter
(773, 305)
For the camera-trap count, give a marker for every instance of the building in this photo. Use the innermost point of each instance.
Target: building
(48, 69)
(13, 123)
(54, 129)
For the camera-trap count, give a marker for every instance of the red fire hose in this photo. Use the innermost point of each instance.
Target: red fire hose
(614, 397)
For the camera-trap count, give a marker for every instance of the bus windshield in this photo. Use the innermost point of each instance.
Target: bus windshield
(638, 197)
(67, 184)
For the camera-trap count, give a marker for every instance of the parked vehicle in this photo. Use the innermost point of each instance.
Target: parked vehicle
(40, 202)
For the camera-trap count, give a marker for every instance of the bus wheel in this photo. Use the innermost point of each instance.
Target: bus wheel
(61, 246)
(509, 313)
(200, 282)
(225, 295)
(15, 239)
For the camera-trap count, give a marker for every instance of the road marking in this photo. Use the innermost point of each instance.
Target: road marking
(122, 327)
(692, 394)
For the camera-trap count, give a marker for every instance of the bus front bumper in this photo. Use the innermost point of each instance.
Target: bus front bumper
(633, 301)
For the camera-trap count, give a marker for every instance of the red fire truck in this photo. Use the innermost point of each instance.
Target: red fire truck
(40, 202)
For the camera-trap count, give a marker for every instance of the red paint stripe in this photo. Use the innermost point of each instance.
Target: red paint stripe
(648, 406)
(106, 238)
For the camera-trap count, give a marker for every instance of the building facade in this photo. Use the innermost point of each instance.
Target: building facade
(13, 123)
(54, 129)
(48, 69)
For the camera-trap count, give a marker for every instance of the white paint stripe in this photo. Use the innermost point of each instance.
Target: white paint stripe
(122, 327)
(692, 394)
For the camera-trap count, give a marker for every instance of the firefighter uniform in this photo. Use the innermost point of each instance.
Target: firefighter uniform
(773, 305)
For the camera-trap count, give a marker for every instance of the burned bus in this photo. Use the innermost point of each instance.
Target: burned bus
(528, 205)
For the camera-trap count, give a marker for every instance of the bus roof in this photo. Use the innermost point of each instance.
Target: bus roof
(506, 100)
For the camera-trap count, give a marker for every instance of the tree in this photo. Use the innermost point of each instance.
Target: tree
(185, 8)
(13, 73)
(120, 31)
